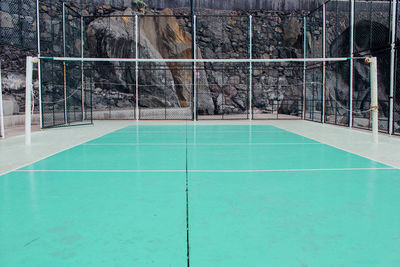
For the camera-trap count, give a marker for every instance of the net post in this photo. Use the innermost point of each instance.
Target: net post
(2, 134)
(374, 97)
(351, 89)
(28, 99)
(324, 63)
(392, 66)
(250, 68)
(304, 66)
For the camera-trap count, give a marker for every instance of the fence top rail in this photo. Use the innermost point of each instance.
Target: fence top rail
(348, 1)
(175, 60)
(266, 15)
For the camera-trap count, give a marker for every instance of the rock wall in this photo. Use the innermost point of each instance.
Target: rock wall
(223, 88)
(276, 5)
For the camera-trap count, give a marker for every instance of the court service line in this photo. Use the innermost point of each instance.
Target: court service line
(197, 144)
(205, 171)
(200, 131)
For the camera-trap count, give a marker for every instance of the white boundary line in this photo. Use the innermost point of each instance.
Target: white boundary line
(198, 144)
(62, 150)
(204, 171)
(122, 127)
(205, 132)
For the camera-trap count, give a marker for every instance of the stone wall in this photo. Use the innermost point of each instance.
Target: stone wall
(223, 88)
(276, 5)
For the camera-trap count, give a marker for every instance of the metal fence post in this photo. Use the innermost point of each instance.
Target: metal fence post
(137, 66)
(2, 134)
(392, 66)
(324, 63)
(195, 96)
(65, 68)
(39, 63)
(352, 10)
(250, 67)
(82, 74)
(304, 66)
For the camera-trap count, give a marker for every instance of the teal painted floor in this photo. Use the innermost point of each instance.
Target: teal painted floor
(250, 196)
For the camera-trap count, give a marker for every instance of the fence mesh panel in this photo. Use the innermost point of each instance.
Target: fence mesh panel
(223, 91)
(314, 44)
(223, 88)
(314, 78)
(313, 92)
(337, 92)
(372, 38)
(18, 39)
(161, 95)
(51, 28)
(277, 90)
(222, 36)
(73, 46)
(396, 96)
(18, 26)
(66, 94)
(337, 29)
(372, 25)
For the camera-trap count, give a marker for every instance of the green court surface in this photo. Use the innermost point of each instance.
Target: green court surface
(190, 195)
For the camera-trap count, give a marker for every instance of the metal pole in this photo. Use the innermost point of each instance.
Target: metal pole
(352, 10)
(374, 98)
(194, 44)
(39, 65)
(137, 67)
(82, 74)
(63, 25)
(392, 66)
(65, 71)
(304, 67)
(324, 63)
(201, 60)
(2, 134)
(250, 68)
(28, 99)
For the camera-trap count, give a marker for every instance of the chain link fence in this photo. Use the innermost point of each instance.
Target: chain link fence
(18, 39)
(224, 91)
(18, 26)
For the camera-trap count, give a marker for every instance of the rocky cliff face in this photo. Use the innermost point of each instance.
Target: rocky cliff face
(276, 5)
(222, 88)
